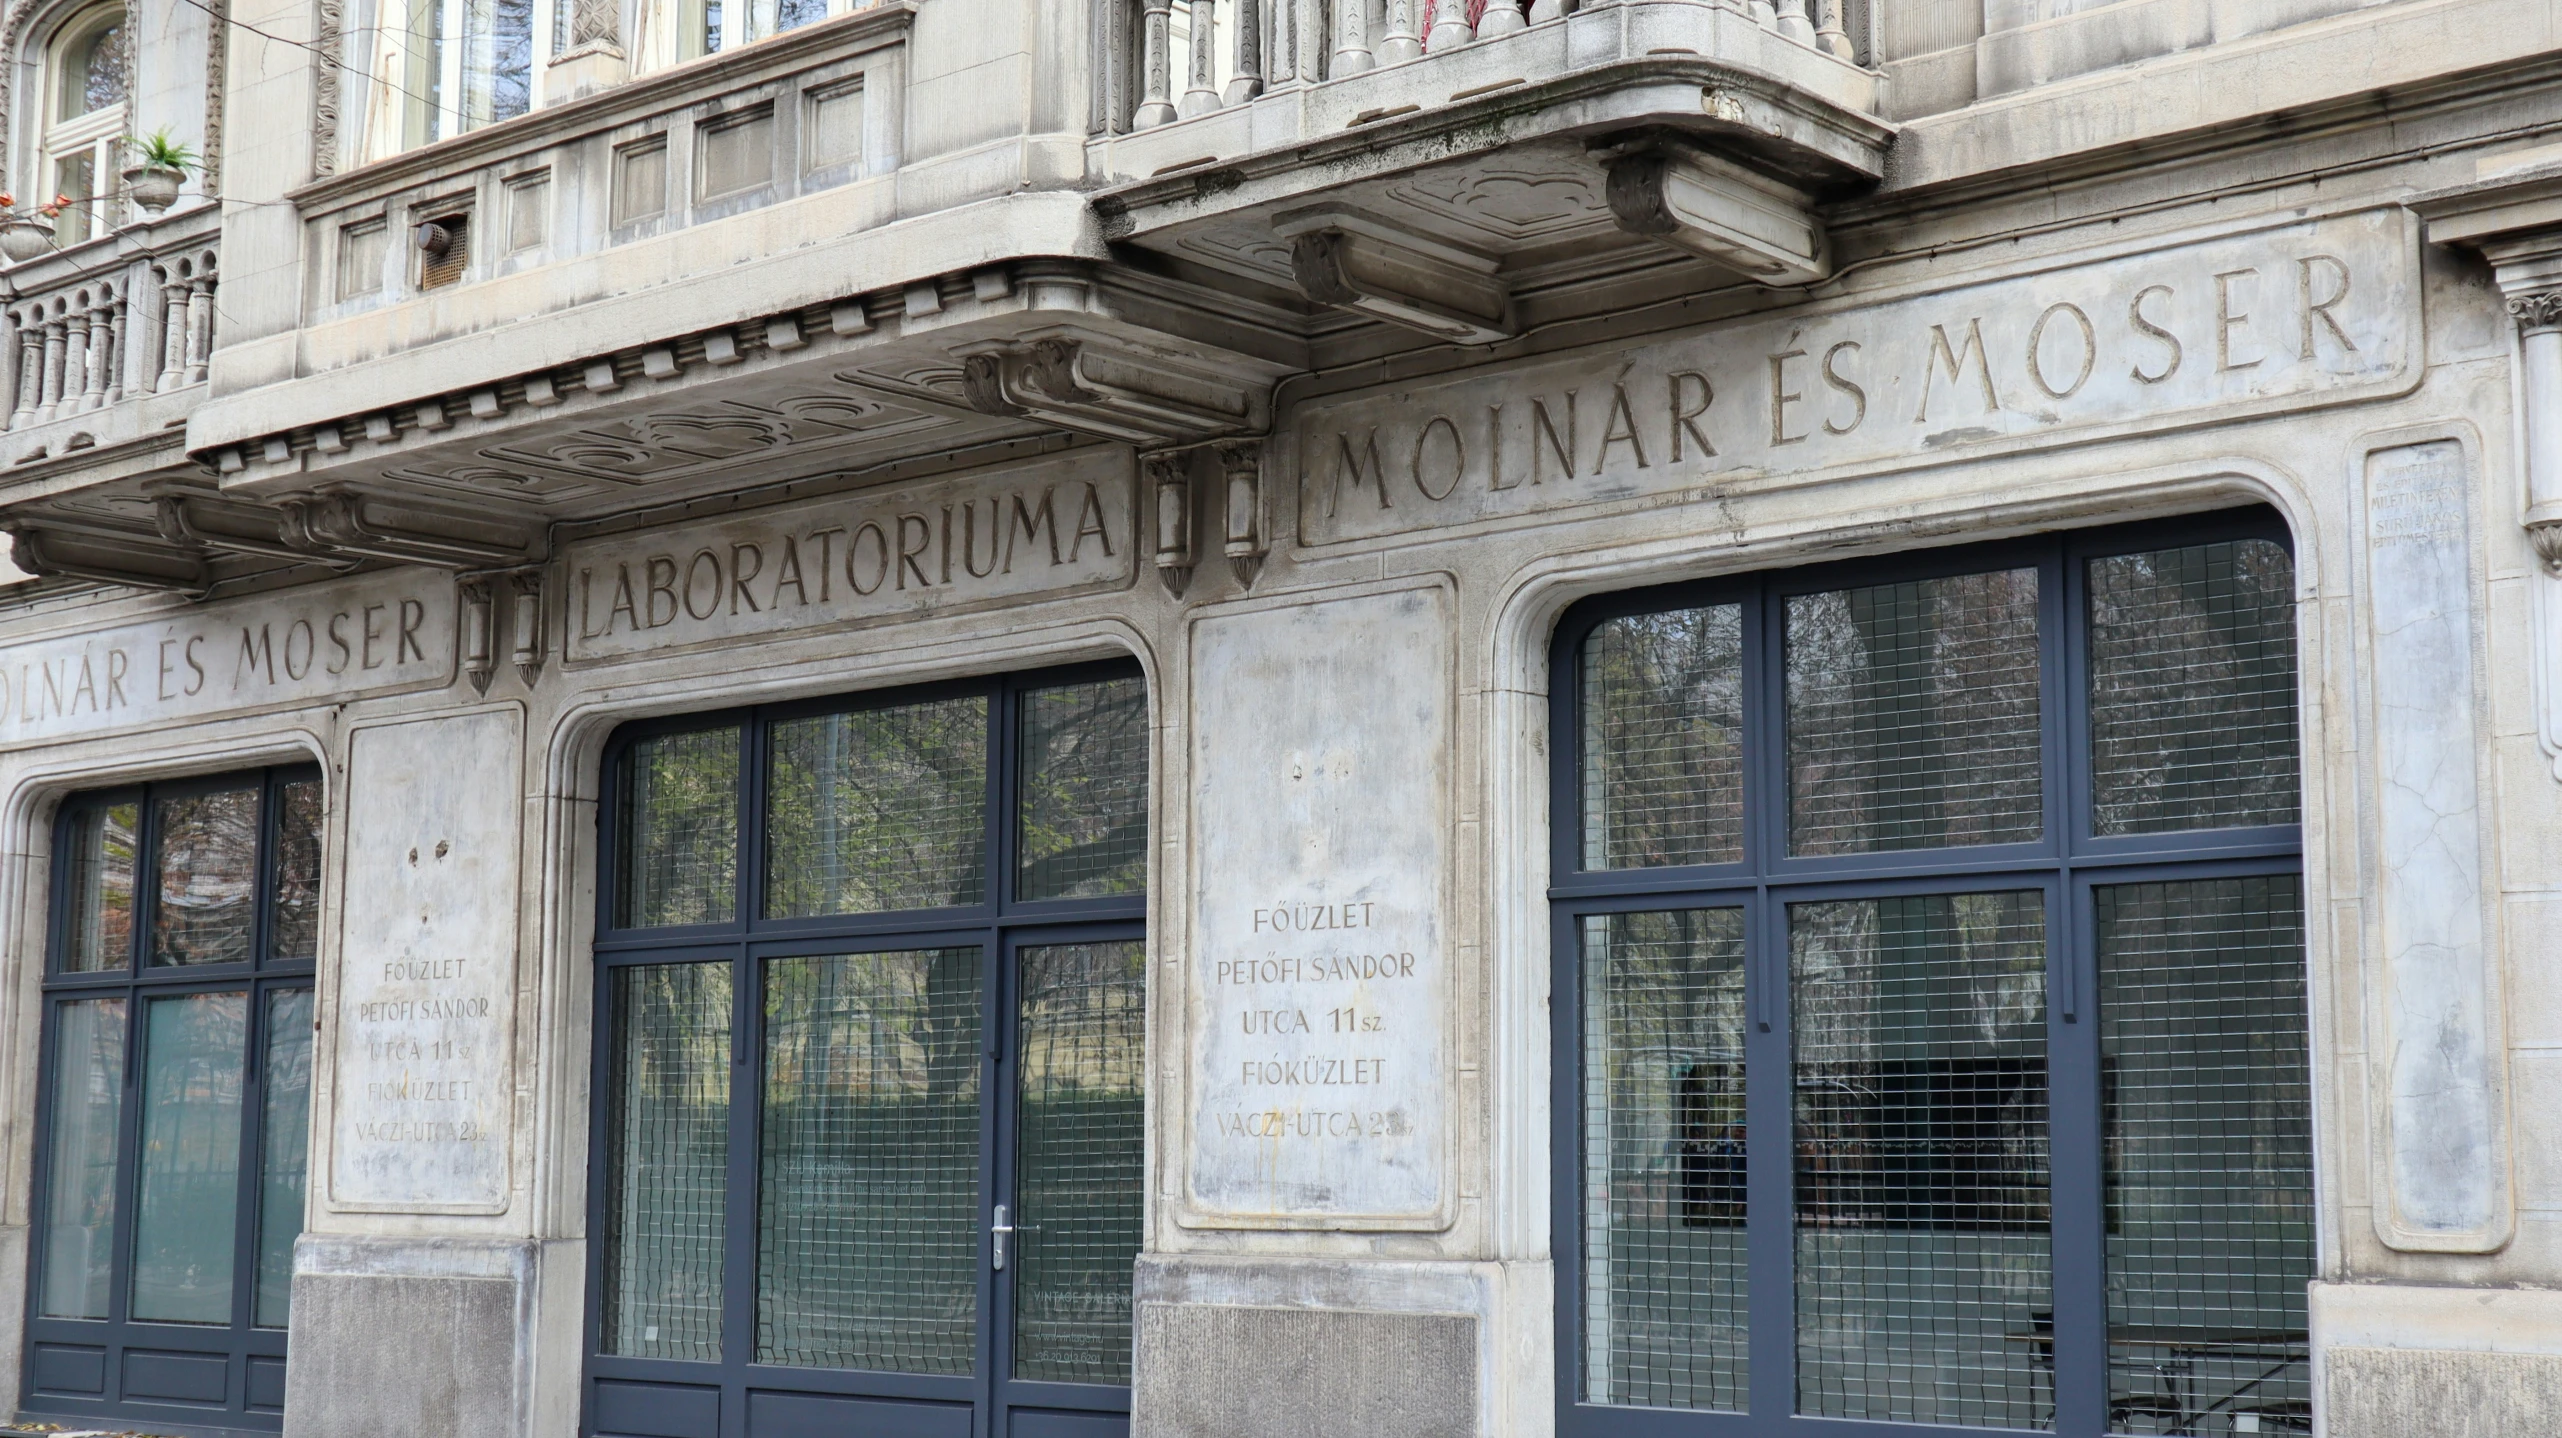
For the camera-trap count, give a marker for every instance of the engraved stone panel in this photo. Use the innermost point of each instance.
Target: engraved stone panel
(322, 644)
(1321, 779)
(1062, 526)
(2443, 1146)
(427, 966)
(2315, 312)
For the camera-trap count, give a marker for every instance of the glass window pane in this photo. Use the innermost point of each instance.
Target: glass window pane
(1085, 791)
(186, 1213)
(1913, 715)
(667, 1131)
(498, 59)
(293, 920)
(284, 1158)
(98, 933)
(1664, 1253)
(2192, 660)
(879, 809)
(80, 1187)
(867, 1226)
(208, 868)
(1924, 1280)
(1663, 715)
(1080, 1170)
(2206, 1071)
(679, 831)
(75, 180)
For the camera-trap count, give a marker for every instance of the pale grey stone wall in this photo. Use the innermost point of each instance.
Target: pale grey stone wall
(1213, 1371)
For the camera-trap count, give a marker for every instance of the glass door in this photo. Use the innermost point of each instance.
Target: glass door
(870, 1137)
(175, 1111)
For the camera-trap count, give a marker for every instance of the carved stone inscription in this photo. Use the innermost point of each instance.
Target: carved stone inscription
(2445, 1158)
(2323, 310)
(427, 966)
(1061, 525)
(1320, 1095)
(325, 643)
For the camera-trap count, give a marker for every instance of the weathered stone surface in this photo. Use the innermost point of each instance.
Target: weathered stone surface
(2306, 313)
(379, 634)
(429, 964)
(405, 1340)
(1213, 1371)
(1319, 1015)
(2447, 1165)
(2395, 1393)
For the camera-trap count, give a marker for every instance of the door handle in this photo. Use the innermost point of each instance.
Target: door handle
(999, 1231)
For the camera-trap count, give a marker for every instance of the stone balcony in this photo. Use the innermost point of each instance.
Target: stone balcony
(1420, 170)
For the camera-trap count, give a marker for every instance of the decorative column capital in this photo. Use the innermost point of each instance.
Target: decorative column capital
(2537, 310)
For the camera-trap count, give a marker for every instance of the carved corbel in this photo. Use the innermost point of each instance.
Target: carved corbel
(2546, 536)
(1757, 227)
(1241, 465)
(203, 522)
(525, 590)
(480, 661)
(1356, 261)
(337, 525)
(1101, 385)
(1170, 478)
(122, 560)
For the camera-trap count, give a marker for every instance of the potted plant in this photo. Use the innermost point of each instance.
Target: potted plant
(23, 237)
(160, 167)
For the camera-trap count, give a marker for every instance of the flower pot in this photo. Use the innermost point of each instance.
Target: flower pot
(154, 187)
(23, 237)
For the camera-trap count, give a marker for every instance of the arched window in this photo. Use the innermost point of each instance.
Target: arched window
(90, 68)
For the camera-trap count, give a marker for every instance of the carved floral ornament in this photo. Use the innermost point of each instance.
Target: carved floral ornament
(2538, 311)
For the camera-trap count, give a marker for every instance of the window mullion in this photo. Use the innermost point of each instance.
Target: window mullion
(1769, 1149)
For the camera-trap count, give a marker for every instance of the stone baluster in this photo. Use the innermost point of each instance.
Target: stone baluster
(1542, 11)
(119, 306)
(1201, 96)
(1248, 80)
(1830, 37)
(75, 363)
(101, 356)
(1450, 27)
(1793, 24)
(200, 323)
(1502, 17)
(30, 349)
(173, 333)
(1156, 67)
(1351, 39)
(49, 399)
(1399, 42)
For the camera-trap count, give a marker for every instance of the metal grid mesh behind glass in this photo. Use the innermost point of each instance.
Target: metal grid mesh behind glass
(667, 1192)
(1913, 715)
(1078, 1158)
(1923, 1263)
(1084, 791)
(1663, 700)
(878, 809)
(2192, 688)
(2208, 1124)
(1664, 1241)
(867, 1223)
(187, 1195)
(284, 1161)
(207, 860)
(80, 1187)
(678, 822)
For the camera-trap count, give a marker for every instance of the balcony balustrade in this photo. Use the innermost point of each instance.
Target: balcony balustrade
(115, 320)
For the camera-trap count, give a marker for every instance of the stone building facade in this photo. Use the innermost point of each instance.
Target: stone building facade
(1254, 718)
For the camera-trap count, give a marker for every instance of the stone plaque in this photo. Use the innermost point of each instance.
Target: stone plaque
(1321, 773)
(1059, 526)
(427, 966)
(2444, 1152)
(2315, 312)
(322, 644)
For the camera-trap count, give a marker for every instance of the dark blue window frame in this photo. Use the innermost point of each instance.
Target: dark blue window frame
(736, 1397)
(249, 1360)
(2065, 864)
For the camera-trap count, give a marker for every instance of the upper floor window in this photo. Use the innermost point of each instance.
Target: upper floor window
(91, 65)
(441, 67)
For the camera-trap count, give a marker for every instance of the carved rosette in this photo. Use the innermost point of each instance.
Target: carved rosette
(2539, 311)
